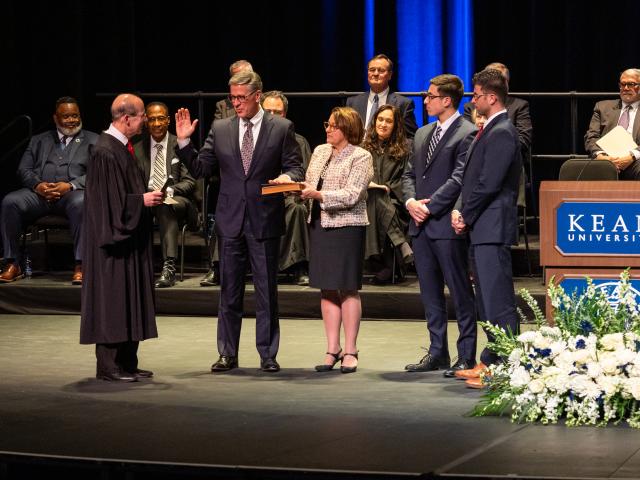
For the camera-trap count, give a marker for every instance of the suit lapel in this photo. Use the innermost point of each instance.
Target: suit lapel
(614, 116)
(444, 139)
(171, 145)
(234, 132)
(263, 137)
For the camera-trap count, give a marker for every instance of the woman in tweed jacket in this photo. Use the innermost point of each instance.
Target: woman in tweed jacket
(336, 185)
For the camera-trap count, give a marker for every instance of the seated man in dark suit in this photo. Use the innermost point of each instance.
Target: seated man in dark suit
(379, 72)
(156, 154)
(294, 244)
(517, 111)
(607, 114)
(52, 171)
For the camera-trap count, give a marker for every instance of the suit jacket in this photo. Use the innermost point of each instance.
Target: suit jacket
(518, 112)
(276, 151)
(406, 106)
(441, 179)
(224, 109)
(39, 149)
(605, 117)
(344, 188)
(182, 183)
(490, 184)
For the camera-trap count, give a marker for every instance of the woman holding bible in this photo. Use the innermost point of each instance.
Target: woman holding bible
(336, 185)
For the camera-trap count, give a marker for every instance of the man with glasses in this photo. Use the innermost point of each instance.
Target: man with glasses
(440, 254)
(52, 172)
(118, 303)
(608, 114)
(379, 72)
(250, 149)
(294, 244)
(156, 154)
(488, 214)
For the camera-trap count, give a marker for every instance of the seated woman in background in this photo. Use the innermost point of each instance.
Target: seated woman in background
(388, 218)
(336, 183)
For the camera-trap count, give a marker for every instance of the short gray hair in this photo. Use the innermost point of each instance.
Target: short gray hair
(247, 78)
(633, 71)
(243, 64)
(276, 94)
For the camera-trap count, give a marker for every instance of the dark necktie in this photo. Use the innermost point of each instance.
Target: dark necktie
(433, 143)
(623, 121)
(246, 151)
(130, 148)
(374, 108)
(63, 142)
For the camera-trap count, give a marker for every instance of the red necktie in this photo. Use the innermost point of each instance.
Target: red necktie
(479, 134)
(130, 148)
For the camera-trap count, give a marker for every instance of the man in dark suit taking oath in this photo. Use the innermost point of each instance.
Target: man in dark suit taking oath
(440, 254)
(250, 149)
(379, 72)
(489, 212)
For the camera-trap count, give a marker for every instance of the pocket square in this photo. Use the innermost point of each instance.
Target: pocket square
(174, 161)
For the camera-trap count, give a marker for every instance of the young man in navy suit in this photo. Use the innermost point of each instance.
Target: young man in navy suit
(489, 211)
(251, 148)
(440, 254)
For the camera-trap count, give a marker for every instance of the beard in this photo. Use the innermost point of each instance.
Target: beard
(69, 131)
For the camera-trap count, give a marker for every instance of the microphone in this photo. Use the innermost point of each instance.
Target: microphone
(586, 164)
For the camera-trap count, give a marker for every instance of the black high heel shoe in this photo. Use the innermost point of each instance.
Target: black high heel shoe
(336, 358)
(344, 369)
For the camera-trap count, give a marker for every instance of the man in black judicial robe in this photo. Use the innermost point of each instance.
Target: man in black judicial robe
(117, 293)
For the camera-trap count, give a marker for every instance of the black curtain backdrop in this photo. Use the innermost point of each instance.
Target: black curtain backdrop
(80, 48)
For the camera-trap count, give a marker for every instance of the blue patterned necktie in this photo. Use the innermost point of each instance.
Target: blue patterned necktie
(433, 143)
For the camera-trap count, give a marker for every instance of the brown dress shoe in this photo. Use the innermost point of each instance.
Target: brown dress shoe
(472, 372)
(77, 275)
(10, 273)
(477, 383)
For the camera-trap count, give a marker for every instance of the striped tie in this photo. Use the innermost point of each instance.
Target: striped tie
(158, 169)
(435, 138)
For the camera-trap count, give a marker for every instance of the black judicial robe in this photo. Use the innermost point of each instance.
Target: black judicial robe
(117, 288)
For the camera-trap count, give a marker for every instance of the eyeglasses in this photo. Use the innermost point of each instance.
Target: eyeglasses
(240, 98)
(624, 85)
(158, 119)
(330, 126)
(478, 95)
(377, 70)
(430, 96)
(274, 112)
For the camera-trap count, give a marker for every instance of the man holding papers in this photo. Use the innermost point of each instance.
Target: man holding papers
(609, 114)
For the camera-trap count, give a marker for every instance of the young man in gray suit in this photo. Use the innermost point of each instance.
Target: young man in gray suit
(52, 171)
(489, 211)
(440, 254)
(250, 149)
(608, 114)
(379, 72)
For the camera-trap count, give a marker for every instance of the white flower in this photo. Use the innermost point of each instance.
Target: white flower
(608, 383)
(612, 341)
(594, 370)
(536, 386)
(520, 377)
(515, 356)
(609, 364)
(632, 387)
(527, 337)
(625, 356)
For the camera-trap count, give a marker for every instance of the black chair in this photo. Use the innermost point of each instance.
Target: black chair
(588, 169)
(192, 224)
(44, 224)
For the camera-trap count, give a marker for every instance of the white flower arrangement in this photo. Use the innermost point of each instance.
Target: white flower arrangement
(584, 368)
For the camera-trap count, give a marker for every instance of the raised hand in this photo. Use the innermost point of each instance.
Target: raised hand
(184, 126)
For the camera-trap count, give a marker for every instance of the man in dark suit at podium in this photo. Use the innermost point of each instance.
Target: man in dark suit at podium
(156, 154)
(489, 211)
(250, 149)
(608, 114)
(440, 254)
(379, 72)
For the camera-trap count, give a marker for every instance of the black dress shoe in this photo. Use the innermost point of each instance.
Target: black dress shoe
(461, 364)
(211, 278)
(344, 369)
(269, 365)
(225, 363)
(168, 275)
(116, 377)
(139, 373)
(428, 363)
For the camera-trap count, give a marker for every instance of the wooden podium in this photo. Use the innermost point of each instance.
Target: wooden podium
(589, 229)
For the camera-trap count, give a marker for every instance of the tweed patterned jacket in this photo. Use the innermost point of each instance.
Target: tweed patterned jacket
(344, 189)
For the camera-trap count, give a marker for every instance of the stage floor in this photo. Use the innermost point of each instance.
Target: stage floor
(380, 419)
